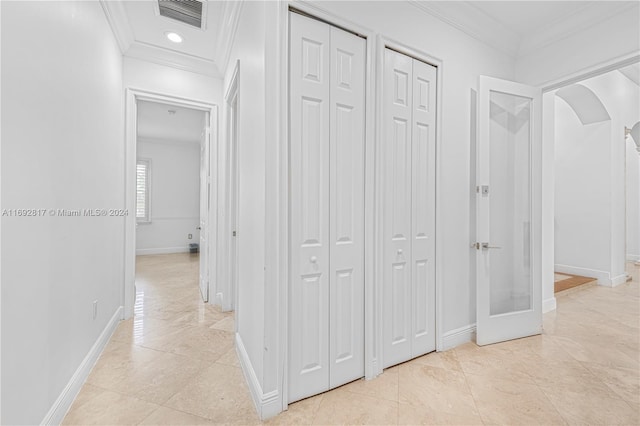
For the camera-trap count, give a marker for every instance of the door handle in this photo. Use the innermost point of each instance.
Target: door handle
(313, 259)
(486, 246)
(199, 228)
(483, 246)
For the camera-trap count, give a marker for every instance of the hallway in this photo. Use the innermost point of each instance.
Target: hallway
(174, 363)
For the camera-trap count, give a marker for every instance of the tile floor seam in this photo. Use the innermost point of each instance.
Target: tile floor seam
(150, 414)
(473, 397)
(544, 394)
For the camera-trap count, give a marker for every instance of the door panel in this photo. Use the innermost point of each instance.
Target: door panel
(309, 128)
(397, 327)
(509, 298)
(409, 208)
(423, 208)
(346, 189)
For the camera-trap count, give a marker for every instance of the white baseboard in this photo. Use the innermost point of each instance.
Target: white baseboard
(68, 395)
(165, 250)
(267, 404)
(603, 277)
(620, 279)
(459, 336)
(633, 257)
(549, 305)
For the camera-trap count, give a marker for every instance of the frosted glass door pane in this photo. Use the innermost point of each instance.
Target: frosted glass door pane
(510, 204)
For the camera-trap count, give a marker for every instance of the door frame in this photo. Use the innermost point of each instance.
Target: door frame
(384, 43)
(277, 400)
(132, 96)
(548, 154)
(228, 298)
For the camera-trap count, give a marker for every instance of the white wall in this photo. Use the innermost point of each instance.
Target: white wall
(633, 201)
(600, 179)
(62, 143)
(582, 186)
(175, 196)
(599, 44)
(249, 49)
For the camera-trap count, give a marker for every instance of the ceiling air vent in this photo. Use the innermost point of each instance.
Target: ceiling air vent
(186, 11)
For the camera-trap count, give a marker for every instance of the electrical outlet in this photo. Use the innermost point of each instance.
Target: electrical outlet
(190, 236)
(95, 309)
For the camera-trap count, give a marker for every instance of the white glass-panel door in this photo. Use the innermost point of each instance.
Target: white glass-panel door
(509, 299)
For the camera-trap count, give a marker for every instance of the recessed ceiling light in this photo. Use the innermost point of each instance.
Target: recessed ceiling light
(174, 37)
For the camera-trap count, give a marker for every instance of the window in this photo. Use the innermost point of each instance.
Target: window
(143, 213)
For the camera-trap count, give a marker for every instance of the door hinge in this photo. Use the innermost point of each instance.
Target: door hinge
(475, 246)
(234, 233)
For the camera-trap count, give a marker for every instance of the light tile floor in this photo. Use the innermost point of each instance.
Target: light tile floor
(174, 363)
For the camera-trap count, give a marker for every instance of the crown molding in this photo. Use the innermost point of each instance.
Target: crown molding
(565, 26)
(119, 23)
(471, 20)
(227, 33)
(465, 17)
(172, 58)
(130, 47)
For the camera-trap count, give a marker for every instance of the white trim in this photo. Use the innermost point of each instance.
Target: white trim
(227, 32)
(633, 257)
(549, 305)
(384, 42)
(62, 404)
(468, 19)
(192, 144)
(132, 96)
(172, 58)
(620, 279)
(119, 23)
(267, 404)
(457, 337)
(603, 277)
(280, 258)
(227, 294)
(1, 233)
(161, 250)
(121, 27)
(592, 71)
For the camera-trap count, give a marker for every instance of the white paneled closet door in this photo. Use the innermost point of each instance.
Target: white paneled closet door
(409, 208)
(326, 338)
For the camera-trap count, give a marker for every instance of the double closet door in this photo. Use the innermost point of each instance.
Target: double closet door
(327, 136)
(409, 208)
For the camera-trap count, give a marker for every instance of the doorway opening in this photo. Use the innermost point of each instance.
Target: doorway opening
(170, 194)
(172, 204)
(596, 179)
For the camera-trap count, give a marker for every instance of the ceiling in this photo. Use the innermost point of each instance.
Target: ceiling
(155, 122)
(520, 27)
(514, 27)
(148, 27)
(140, 32)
